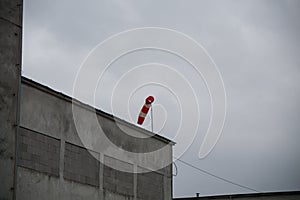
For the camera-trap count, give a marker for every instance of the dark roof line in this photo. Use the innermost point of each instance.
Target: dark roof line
(281, 193)
(65, 97)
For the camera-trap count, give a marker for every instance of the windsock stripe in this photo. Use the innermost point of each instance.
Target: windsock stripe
(145, 109)
(142, 114)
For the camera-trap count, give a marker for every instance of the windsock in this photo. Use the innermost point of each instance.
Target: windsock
(145, 109)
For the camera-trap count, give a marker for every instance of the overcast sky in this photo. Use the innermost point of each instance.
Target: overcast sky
(255, 46)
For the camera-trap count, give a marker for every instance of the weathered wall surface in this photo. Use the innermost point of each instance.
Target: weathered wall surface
(39, 152)
(10, 62)
(36, 185)
(54, 164)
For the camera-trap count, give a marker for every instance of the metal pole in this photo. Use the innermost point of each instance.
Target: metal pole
(151, 118)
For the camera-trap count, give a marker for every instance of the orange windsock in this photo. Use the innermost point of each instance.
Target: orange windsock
(149, 100)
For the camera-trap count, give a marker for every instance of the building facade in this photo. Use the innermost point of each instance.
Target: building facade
(53, 162)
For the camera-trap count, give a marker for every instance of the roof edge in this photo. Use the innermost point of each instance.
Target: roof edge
(260, 194)
(65, 97)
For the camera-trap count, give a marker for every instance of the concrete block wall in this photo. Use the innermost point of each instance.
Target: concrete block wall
(39, 152)
(80, 165)
(48, 133)
(150, 185)
(118, 181)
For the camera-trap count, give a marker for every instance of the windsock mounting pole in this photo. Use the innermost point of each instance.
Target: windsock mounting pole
(151, 118)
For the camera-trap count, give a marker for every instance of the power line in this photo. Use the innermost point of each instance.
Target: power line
(218, 177)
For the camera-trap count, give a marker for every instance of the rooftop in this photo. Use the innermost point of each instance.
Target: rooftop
(65, 97)
(234, 196)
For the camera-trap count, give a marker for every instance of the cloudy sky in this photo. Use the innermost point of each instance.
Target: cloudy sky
(255, 46)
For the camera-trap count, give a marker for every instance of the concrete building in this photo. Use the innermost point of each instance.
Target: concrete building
(53, 163)
(294, 195)
(10, 70)
(42, 156)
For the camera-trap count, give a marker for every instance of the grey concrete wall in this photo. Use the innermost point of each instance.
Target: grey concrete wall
(117, 181)
(150, 185)
(80, 165)
(39, 152)
(35, 185)
(46, 118)
(10, 62)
